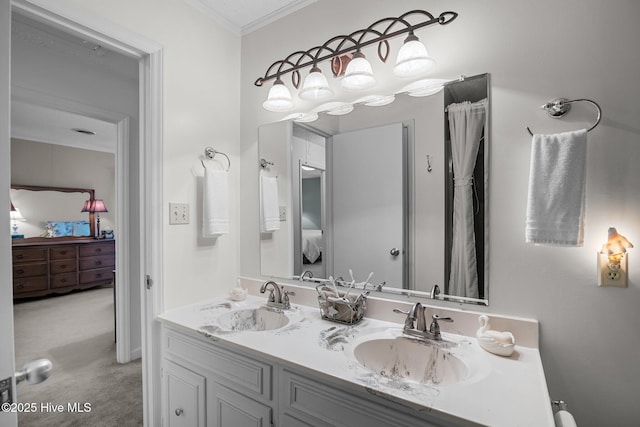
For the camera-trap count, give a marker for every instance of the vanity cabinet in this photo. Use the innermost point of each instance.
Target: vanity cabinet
(246, 390)
(45, 266)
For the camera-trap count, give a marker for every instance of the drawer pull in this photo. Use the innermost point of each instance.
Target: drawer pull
(99, 275)
(20, 286)
(20, 271)
(98, 250)
(63, 281)
(98, 262)
(63, 265)
(20, 256)
(179, 412)
(63, 252)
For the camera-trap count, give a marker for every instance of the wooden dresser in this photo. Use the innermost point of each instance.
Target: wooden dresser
(48, 266)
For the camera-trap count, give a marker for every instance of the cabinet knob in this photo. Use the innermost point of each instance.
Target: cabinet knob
(20, 271)
(19, 256)
(20, 286)
(98, 250)
(179, 412)
(99, 275)
(98, 263)
(63, 266)
(63, 252)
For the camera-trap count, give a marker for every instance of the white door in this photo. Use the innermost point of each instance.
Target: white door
(7, 362)
(368, 204)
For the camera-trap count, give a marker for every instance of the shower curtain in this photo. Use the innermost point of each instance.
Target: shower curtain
(466, 121)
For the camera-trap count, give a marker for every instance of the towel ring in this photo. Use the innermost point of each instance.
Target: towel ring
(558, 107)
(210, 153)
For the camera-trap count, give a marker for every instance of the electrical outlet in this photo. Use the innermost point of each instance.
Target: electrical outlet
(283, 213)
(612, 277)
(178, 213)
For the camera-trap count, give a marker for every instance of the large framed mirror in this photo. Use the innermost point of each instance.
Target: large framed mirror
(53, 212)
(399, 191)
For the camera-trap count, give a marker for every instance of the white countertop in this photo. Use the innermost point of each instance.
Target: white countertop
(500, 391)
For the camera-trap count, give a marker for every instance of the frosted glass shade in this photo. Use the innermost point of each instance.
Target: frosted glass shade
(412, 59)
(279, 98)
(315, 86)
(359, 74)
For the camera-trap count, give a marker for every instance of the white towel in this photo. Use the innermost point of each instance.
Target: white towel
(555, 209)
(215, 202)
(269, 214)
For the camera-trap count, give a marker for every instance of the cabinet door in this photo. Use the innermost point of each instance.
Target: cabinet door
(232, 409)
(184, 397)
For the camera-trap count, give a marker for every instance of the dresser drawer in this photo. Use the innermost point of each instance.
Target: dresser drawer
(29, 284)
(97, 262)
(97, 275)
(29, 255)
(63, 266)
(96, 249)
(63, 280)
(63, 252)
(30, 270)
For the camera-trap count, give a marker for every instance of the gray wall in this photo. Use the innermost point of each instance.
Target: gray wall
(534, 51)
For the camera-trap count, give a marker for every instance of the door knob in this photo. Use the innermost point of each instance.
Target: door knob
(35, 371)
(394, 251)
(179, 412)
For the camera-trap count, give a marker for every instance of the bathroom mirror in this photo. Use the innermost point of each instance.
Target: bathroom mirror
(381, 190)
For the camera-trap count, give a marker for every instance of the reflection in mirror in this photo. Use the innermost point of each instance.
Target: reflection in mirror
(53, 205)
(384, 190)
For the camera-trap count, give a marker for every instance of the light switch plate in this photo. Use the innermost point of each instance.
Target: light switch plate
(178, 213)
(283, 213)
(608, 277)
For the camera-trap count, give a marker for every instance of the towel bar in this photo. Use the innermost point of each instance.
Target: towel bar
(210, 153)
(558, 107)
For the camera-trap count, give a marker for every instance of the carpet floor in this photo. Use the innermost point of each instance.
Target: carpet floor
(76, 332)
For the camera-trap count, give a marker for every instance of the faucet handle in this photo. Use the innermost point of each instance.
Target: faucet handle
(408, 322)
(437, 317)
(435, 327)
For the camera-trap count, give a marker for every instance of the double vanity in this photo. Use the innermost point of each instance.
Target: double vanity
(247, 363)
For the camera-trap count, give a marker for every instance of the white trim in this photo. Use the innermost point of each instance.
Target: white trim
(149, 55)
(123, 256)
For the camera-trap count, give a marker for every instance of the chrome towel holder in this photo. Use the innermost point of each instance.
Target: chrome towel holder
(558, 107)
(210, 153)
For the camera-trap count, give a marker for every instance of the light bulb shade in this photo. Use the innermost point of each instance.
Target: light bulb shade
(412, 59)
(315, 86)
(359, 74)
(617, 244)
(98, 206)
(279, 98)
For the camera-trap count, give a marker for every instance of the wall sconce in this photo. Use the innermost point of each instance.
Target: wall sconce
(15, 216)
(348, 61)
(613, 260)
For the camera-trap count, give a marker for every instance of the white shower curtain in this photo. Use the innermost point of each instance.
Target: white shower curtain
(466, 121)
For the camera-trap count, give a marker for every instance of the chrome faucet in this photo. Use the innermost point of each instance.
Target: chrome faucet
(304, 274)
(416, 325)
(278, 297)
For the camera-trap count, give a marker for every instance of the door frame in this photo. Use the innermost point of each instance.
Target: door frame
(146, 226)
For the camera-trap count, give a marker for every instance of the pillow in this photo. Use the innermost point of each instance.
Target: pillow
(61, 228)
(81, 228)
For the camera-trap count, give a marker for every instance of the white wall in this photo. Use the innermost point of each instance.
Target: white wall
(201, 108)
(534, 51)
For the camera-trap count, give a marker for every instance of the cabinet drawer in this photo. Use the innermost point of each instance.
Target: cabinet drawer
(29, 284)
(97, 262)
(63, 266)
(63, 280)
(30, 270)
(97, 275)
(240, 372)
(28, 255)
(95, 249)
(63, 252)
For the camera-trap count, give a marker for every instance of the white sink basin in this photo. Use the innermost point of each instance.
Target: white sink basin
(256, 319)
(411, 360)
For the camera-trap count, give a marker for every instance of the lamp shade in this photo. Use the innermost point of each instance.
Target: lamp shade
(15, 214)
(412, 59)
(87, 206)
(359, 74)
(279, 98)
(315, 86)
(98, 206)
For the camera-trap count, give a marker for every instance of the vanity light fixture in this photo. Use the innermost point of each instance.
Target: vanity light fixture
(346, 50)
(613, 260)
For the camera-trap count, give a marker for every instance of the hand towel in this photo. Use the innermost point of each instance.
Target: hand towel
(269, 214)
(215, 203)
(556, 197)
